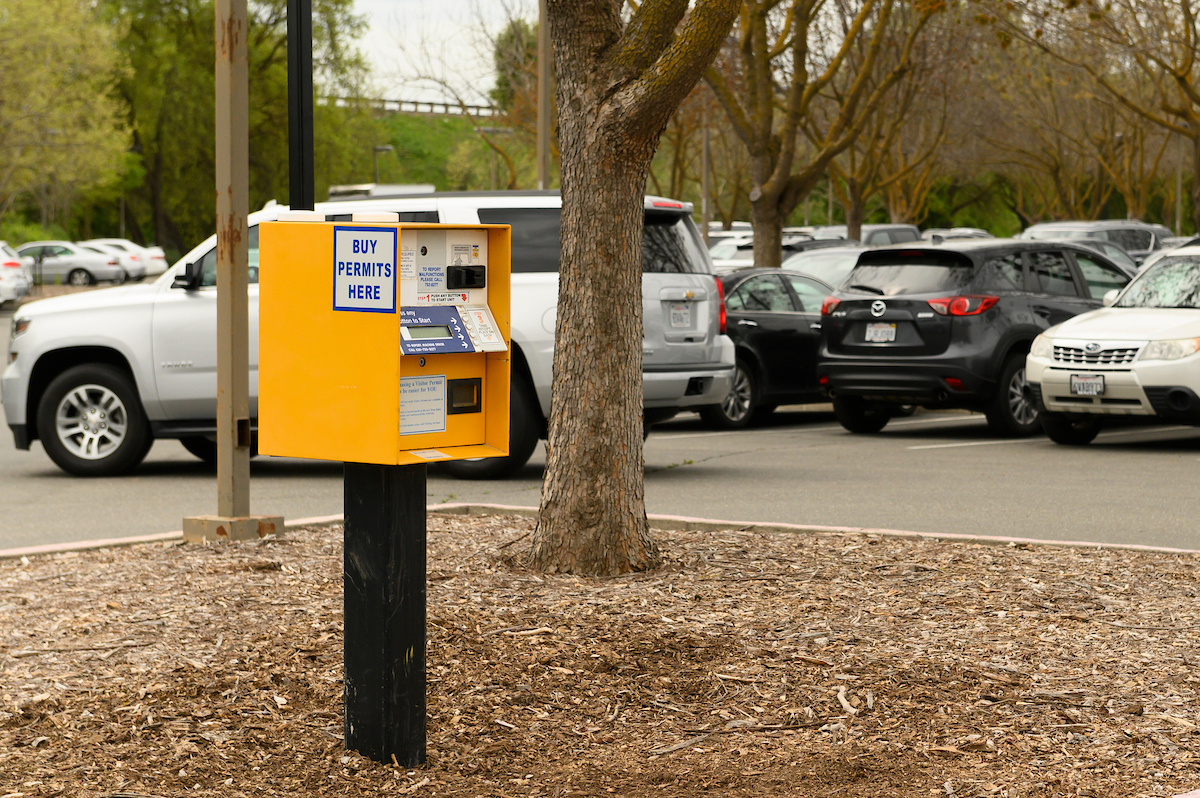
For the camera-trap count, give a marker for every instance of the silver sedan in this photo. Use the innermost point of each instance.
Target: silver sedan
(65, 262)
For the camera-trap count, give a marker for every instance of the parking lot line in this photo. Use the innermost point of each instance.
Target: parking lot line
(829, 428)
(1121, 433)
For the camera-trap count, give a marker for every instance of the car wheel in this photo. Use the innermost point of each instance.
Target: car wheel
(122, 277)
(201, 446)
(859, 415)
(79, 277)
(91, 422)
(736, 410)
(522, 439)
(1070, 430)
(1013, 411)
(206, 448)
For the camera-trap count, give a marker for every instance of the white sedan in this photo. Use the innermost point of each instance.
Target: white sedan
(1138, 357)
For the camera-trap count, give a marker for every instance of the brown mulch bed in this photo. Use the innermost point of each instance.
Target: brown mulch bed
(751, 664)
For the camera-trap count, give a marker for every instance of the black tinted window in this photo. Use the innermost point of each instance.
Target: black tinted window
(1131, 240)
(669, 246)
(910, 277)
(1006, 273)
(1099, 277)
(1051, 274)
(430, 217)
(764, 292)
(903, 236)
(535, 236)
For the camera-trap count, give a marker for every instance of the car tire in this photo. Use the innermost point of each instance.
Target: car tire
(737, 409)
(1070, 430)
(206, 449)
(91, 423)
(1013, 411)
(861, 416)
(80, 277)
(522, 439)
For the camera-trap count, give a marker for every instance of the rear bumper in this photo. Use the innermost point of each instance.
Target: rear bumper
(693, 385)
(906, 383)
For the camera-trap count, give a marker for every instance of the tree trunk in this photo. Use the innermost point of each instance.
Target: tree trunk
(767, 223)
(593, 515)
(855, 209)
(1195, 192)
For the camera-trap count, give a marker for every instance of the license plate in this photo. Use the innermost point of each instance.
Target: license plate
(1087, 385)
(881, 333)
(681, 314)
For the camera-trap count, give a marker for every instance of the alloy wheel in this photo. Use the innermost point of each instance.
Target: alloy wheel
(1020, 399)
(91, 422)
(737, 403)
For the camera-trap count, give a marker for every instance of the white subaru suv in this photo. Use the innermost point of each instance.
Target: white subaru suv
(1138, 357)
(97, 377)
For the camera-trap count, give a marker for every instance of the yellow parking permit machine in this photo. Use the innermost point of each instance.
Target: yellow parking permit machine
(383, 343)
(385, 346)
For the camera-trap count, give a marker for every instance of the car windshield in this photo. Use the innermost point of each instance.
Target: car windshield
(828, 267)
(1173, 282)
(910, 277)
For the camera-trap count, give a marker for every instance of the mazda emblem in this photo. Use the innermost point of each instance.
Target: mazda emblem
(1092, 348)
(878, 307)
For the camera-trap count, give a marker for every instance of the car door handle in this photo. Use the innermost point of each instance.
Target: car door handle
(1043, 312)
(816, 325)
(747, 323)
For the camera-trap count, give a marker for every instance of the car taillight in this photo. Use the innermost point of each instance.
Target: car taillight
(112, 261)
(720, 306)
(829, 304)
(11, 264)
(962, 305)
(666, 204)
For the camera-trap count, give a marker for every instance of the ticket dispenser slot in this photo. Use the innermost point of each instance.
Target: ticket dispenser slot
(410, 360)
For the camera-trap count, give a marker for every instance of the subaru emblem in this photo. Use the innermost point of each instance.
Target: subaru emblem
(878, 308)
(1092, 348)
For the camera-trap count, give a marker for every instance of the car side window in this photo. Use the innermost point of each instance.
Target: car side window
(761, 293)
(58, 251)
(1100, 277)
(904, 236)
(1131, 240)
(810, 293)
(1051, 274)
(1006, 273)
(535, 236)
(208, 264)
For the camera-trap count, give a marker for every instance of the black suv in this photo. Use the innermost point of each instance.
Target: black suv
(949, 325)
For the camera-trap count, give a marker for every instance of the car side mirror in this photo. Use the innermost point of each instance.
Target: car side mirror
(189, 278)
(1110, 298)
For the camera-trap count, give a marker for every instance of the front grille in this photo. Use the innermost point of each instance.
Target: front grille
(1105, 357)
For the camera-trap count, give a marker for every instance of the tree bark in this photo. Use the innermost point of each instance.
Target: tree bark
(617, 84)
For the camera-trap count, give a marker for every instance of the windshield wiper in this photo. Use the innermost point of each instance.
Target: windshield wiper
(868, 288)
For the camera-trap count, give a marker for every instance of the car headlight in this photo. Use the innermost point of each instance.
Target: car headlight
(1042, 347)
(1171, 350)
(19, 326)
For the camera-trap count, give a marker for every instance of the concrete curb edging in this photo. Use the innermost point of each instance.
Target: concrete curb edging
(672, 522)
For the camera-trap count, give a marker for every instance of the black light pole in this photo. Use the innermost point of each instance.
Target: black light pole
(301, 191)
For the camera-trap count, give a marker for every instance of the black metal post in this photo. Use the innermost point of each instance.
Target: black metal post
(385, 611)
(301, 190)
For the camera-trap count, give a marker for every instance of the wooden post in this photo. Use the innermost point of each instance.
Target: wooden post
(385, 612)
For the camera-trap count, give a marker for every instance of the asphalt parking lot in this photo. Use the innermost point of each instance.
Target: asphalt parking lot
(933, 472)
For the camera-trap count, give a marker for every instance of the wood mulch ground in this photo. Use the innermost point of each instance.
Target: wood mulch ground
(751, 664)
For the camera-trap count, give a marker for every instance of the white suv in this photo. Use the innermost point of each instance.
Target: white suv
(1139, 357)
(98, 376)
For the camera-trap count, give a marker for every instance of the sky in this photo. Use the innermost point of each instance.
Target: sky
(409, 41)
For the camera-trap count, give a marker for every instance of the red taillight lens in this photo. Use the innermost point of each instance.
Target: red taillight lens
(721, 306)
(666, 204)
(962, 305)
(829, 304)
(955, 383)
(11, 264)
(823, 380)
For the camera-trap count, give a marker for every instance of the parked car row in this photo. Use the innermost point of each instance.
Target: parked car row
(87, 262)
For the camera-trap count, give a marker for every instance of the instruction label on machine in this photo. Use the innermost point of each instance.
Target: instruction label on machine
(433, 330)
(364, 269)
(422, 404)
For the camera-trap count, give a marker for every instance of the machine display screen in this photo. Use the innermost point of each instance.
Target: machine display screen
(431, 331)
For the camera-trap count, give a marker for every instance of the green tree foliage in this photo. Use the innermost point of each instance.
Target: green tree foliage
(169, 93)
(515, 56)
(60, 129)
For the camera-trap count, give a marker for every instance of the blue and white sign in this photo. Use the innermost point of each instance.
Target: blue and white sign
(364, 269)
(433, 330)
